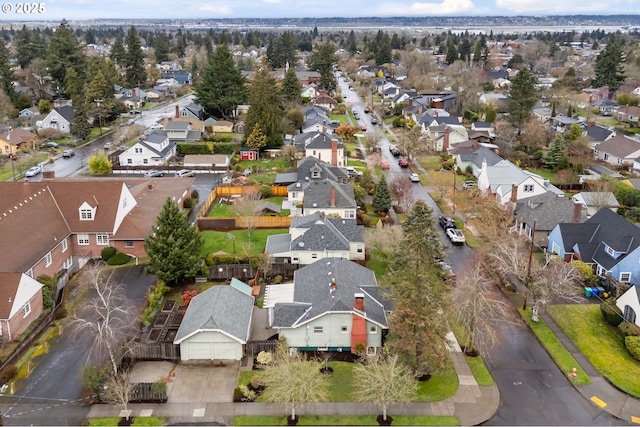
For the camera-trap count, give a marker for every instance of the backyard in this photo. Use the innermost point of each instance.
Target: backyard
(224, 210)
(215, 241)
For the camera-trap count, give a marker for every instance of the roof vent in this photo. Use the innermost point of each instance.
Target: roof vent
(301, 244)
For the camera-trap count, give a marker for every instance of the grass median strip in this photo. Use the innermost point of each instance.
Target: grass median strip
(345, 420)
(479, 370)
(554, 347)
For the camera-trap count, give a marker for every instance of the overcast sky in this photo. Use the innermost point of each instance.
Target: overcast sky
(140, 9)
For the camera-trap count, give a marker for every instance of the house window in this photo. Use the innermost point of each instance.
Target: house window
(128, 244)
(296, 259)
(145, 161)
(606, 156)
(359, 249)
(371, 350)
(124, 203)
(610, 251)
(528, 188)
(314, 256)
(129, 161)
(83, 239)
(47, 260)
(314, 152)
(26, 309)
(102, 239)
(138, 150)
(64, 245)
(315, 174)
(349, 214)
(373, 330)
(629, 314)
(600, 271)
(625, 277)
(555, 248)
(67, 263)
(344, 329)
(86, 214)
(318, 330)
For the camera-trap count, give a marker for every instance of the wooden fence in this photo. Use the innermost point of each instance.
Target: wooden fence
(147, 393)
(238, 223)
(158, 351)
(245, 272)
(254, 347)
(276, 190)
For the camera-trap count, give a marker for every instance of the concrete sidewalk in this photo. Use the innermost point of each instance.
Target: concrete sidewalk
(472, 404)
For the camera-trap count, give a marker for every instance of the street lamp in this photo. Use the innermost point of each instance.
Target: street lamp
(13, 167)
(99, 101)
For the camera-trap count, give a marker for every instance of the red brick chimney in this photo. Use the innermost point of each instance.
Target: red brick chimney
(359, 302)
(514, 192)
(324, 126)
(333, 286)
(445, 142)
(332, 200)
(177, 111)
(577, 213)
(133, 92)
(334, 152)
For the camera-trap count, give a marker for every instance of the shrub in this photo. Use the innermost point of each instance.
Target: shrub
(629, 329)
(119, 259)
(7, 373)
(277, 279)
(265, 190)
(248, 394)
(366, 220)
(159, 387)
(107, 253)
(194, 148)
(154, 299)
(195, 194)
(257, 382)
(263, 358)
(388, 221)
(61, 313)
(237, 394)
(611, 313)
(632, 343)
(188, 203)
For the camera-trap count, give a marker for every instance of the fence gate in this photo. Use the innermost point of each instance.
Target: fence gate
(255, 347)
(159, 351)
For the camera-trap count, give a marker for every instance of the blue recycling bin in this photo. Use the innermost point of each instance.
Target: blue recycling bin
(594, 292)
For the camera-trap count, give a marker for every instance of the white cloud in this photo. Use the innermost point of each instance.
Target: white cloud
(445, 7)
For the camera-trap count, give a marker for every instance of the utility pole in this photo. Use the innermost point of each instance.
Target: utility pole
(528, 276)
(99, 101)
(13, 159)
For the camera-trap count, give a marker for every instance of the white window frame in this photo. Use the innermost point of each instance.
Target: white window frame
(314, 256)
(344, 329)
(129, 161)
(86, 214)
(128, 244)
(528, 188)
(47, 259)
(102, 239)
(610, 250)
(371, 351)
(318, 330)
(83, 239)
(26, 309)
(67, 263)
(373, 329)
(555, 248)
(622, 276)
(65, 245)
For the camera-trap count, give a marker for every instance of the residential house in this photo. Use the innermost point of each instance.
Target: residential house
(536, 216)
(330, 197)
(310, 91)
(605, 106)
(442, 137)
(217, 323)
(618, 150)
(317, 236)
(20, 304)
(597, 134)
(183, 77)
(508, 183)
(474, 155)
(562, 123)
(222, 126)
(316, 118)
(28, 112)
(606, 241)
(593, 201)
(334, 305)
(497, 99)
(155, 150)
(179, 132)
(629, 304)
(629, 114)
(193, 111)
(59, 118)
(16, 140)
(599, 171)
(325, 147)
(308, 169)
(325, 101)
(483, 127)
(216, 162)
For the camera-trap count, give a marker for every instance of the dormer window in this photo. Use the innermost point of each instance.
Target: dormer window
(315, 174)
(610, 251)
(87, 212)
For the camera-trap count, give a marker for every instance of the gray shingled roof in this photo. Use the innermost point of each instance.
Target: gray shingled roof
(278, 243)
(177, 125)
(219, 308)
(313, 297)
(547, 210)
(326, 171)
(318, 195)
(315, 139)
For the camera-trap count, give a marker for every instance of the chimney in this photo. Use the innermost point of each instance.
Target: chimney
(445, 143)
(324, 126)
(334, 152)
(322, 214)
(359, 302)
(514, 192)
(177, 111)
(133, 92)
(577, 213)
(333, 286)
(332, 200)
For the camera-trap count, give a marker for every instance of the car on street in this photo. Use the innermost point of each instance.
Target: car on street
(395, 152)
(51, 144)
(185, 173)
(33, 171)
(356, 116)
(446, 222)
(455, 236)
(469, 184)
(153, 174)
(392, 147)
(68, 153)
(366, 110)
(404, 163)
(414, 177)
(374, 121)
(363, 128)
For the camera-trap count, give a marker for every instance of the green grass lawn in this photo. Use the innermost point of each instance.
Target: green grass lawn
(554, 347)
(345, 420)
(265, 165)
(215, 241)
(221, 210)
(479, 370)
(137, 421)
(377, 263)
(342, 118)
(263, 177)
(600, 343)
(545, 173)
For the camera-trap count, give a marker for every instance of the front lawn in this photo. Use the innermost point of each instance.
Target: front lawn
(137, 421)
(215, 241)
(377, 264)
(342, 118)
(544, 173)
(479, 370)
(600, 343)
(345, 420)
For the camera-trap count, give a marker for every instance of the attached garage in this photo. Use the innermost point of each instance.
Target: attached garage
(216, 324)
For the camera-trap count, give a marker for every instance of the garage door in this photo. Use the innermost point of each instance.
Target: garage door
(226, 351)
(200, 351)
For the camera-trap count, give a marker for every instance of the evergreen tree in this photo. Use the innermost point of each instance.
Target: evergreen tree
(556, 156)
(465, 50)
(291, 87)
(382, 197)
(522, 98)
(136, 73)
(73, 85)
(322, 60)
(383, 50)
(265, 107)
(118, 54)
(609, 67)
(452, 52)
(477, 53)
(161, 48)
(63, 53)
(24, 47)
(6, 73)
(80, 126)
(282, 50)
(222, 87)
(352, 46)
(256, 139)
(174, 246)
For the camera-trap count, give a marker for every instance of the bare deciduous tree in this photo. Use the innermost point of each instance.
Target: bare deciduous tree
(385, 240)
(105, 315)
(478, 308)
(372, 140)
(118, 390)
(246, 207)
(402, 190)
(384, 380)
(290, 153)
(292, 380)
(412, 142)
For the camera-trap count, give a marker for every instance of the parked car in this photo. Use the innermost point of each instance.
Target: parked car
(68, 153)
(155, 126)
(414, 177)
(363, 128)
(185, 172)
(469, 184)
(33, 171)
(392, 147)
(446, 222)
(51, 144)
(395, 152)
(366, 110)
(374, 121)
(456, 236)
(353, 172)
(404, 163)
(153, 174)
(247, 172)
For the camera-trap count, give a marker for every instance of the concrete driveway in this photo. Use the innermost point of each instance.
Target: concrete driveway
(191, 382)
